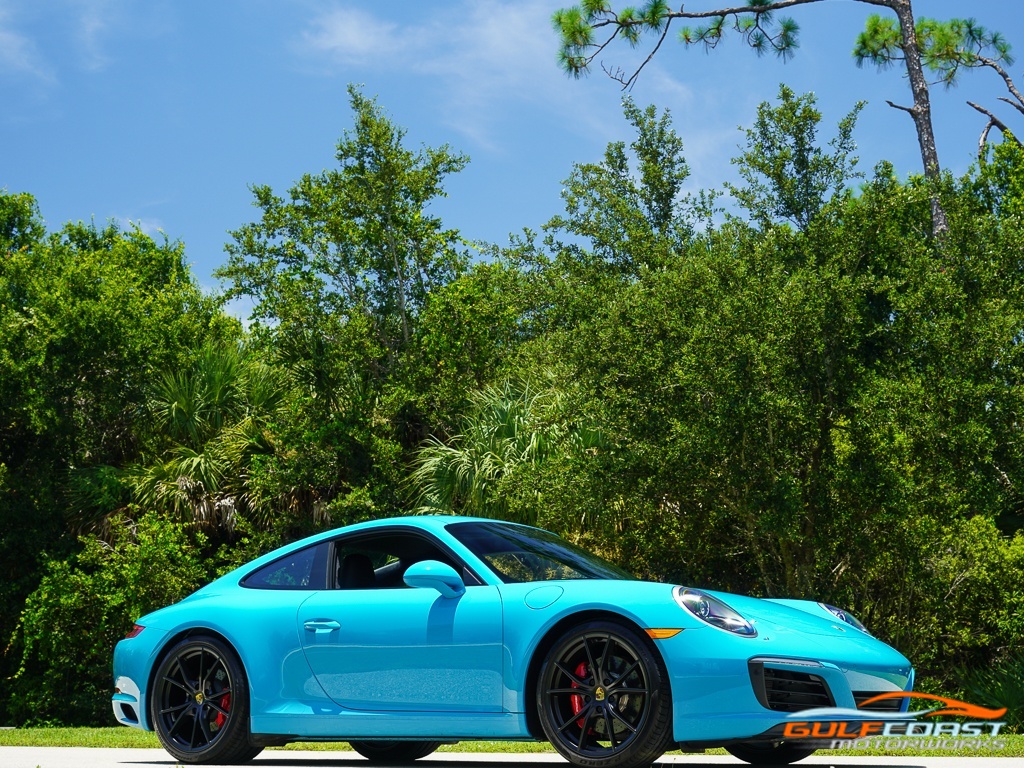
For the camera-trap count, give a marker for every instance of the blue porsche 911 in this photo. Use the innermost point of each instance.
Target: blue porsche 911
(399, 635)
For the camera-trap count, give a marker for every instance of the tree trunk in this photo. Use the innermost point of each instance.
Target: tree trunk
(921, 112)
(922, 109)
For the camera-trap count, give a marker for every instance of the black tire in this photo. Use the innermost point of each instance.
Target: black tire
(603, 697)
(393, 752)
(770, 752)
(200, 703)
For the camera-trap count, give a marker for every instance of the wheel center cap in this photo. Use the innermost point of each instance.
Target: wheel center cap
(599, 693)
(200, 698)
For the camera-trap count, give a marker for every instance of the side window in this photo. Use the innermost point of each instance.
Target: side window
(304, 569)
(379, 560)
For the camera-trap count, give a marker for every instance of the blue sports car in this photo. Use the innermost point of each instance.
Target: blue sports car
(399, 635)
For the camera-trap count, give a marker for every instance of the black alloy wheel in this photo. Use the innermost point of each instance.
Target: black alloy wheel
(200, 703)
(769, 752)
(393, 752)
(603, 697)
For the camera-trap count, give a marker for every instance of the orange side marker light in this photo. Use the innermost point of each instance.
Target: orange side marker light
(662, 634)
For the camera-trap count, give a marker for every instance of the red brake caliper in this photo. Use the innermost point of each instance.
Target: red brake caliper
(225, 704)
(575, 700)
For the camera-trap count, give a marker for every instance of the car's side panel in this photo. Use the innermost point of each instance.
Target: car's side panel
(288, 700)
(410, 649)
(260, 626)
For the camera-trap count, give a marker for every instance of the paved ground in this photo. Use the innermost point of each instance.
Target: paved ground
(66, 757)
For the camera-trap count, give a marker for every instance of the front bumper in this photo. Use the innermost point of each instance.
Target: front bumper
(741, 692)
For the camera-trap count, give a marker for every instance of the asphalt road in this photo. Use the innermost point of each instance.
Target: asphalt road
(68, 757)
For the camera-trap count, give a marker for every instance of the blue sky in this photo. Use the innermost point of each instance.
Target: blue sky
(163, 112)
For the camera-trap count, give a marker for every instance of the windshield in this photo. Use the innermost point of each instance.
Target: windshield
(517, 553)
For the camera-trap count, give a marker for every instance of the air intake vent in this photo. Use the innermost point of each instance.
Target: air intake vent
(782, 690)
(885, 705)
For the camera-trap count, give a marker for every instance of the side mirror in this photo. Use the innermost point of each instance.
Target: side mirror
(435, 575)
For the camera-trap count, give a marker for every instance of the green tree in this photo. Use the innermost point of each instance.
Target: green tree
(342, 269)
(20, 223)
(788, 176)
(624, 216)
(818, 411)
(629, 210)
(88, 315)
(466, 338)
(947, 48)
(352, 251)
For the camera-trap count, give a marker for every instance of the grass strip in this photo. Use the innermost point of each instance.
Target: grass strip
(133, 738)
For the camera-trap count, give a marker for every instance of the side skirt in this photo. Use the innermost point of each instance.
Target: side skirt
(440, 726)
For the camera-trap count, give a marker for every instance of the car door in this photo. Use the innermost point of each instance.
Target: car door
(375, 644)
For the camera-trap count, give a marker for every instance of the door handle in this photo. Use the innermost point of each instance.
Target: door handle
(321, 625)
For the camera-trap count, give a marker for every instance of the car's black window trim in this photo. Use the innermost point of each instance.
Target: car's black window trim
(369, 534)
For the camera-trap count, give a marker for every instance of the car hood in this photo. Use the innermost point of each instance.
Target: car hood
(785, 618)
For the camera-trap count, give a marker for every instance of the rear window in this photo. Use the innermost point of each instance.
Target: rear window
(304, 569)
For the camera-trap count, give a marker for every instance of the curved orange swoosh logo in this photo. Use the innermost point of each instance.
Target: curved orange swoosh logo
(949, 706)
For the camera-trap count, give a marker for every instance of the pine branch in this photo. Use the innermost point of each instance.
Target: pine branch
(1014, 104)
(908, 110)
(1010, 86)
(983, 140)
(626, 85)
(756, 10)
(993, 122)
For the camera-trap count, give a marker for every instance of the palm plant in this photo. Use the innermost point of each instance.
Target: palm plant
(511, 426)
(210, 420)
(1001, 685)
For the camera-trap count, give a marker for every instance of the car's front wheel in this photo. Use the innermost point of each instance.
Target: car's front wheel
(770, 752)
(392, 752)
(603, 697)
(200, 703)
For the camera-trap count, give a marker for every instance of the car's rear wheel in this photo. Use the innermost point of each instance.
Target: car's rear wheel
(770, 752)
(392, 752)
(200, 703)
(603, 697)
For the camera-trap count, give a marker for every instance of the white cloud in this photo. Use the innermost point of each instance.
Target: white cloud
(18, 54)
(484, 59)
(90, 27)
(669, 88)
(85, 27)
(352, 36)
(488, 62)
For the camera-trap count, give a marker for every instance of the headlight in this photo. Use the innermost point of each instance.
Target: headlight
(713, 611)
(845, 616)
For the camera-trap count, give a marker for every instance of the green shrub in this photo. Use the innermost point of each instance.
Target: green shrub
(83, 606)
(1001, 685)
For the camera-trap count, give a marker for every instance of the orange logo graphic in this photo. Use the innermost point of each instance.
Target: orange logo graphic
(949, 706)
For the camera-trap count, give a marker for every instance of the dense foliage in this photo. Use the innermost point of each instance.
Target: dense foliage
(807, 394)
